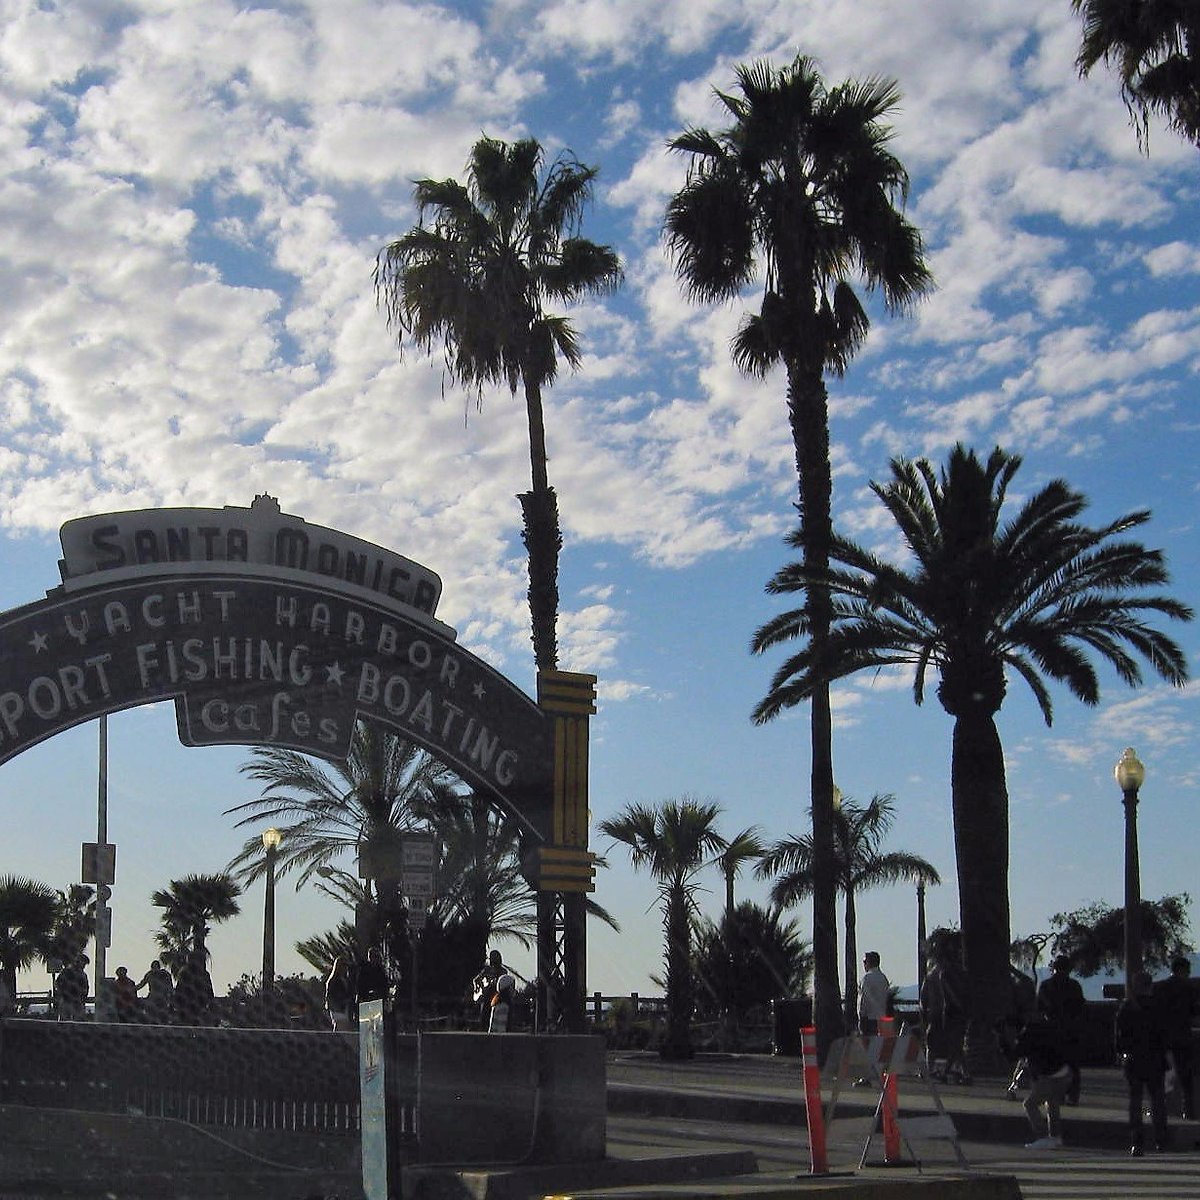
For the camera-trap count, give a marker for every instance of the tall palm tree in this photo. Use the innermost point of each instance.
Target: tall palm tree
(477, 279)
(1155, 47)
(859, 830)
(191, 905)
(1032, 594)
(27, 912)
(801, 190)
(742, 848)
(673, 841)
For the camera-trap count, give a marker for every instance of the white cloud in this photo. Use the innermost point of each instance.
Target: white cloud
(1175, 258)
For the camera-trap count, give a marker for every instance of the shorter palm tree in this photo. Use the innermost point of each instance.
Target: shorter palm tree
(673, 841)
(74, 922)
(191, 905)
(386, 785)
(860, 864)
(751, 958)
(984, 594)
(744, 847)
(27, 912)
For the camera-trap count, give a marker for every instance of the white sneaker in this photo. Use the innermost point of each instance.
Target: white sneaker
(1046, 1143)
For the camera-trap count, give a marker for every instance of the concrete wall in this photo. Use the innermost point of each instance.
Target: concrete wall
(510, 1098)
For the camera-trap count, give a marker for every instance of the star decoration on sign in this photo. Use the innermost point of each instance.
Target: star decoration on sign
(478, 691)
(39, 642)
(334, 673)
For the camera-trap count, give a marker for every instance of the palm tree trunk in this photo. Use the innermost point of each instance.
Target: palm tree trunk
(677, 1042)
(808, 413)
(980, 804)
(851, 958)
(543, 541)
(542, 537)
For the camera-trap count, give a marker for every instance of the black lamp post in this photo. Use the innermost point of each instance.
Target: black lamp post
(270, 840)
(1130, 774)
(921, 934)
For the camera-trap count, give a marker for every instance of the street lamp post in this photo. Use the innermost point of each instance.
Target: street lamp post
(1130, 774)
(270, 840)
(921, 934)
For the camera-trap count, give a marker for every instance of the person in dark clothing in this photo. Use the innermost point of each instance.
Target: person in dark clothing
(1177, 1005)
(194, 991)
(71, 990)
(125, 991)
(1142, 1051)
(1060, 1001)
(1038, 1046)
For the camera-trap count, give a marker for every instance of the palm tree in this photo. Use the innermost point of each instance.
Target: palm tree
(1032, 595)
(1156, 50)
(385, 785)
(858, 832)
(674, 841)
(742, 848)
(190, 906)
(477, 280)
(27, 912)
(74, 922)
(749, 959)
(801, 189)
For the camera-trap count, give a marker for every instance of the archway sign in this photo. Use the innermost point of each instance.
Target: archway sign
(267, 630)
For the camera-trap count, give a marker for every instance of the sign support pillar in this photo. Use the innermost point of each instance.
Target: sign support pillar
(564, 870)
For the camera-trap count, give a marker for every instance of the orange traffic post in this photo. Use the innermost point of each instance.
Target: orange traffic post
(818, 1163)
(891, 1095)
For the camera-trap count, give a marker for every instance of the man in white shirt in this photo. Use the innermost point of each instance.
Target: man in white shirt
(872, 994)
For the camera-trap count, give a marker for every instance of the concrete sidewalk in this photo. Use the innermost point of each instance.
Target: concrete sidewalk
(768, 1090)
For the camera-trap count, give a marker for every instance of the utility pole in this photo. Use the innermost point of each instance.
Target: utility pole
(103, 891)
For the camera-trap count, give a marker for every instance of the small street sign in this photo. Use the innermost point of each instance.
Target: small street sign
(418, 850)
(418, 884)
(99, 863)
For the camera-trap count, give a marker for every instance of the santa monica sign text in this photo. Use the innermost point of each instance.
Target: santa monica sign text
(258, 652)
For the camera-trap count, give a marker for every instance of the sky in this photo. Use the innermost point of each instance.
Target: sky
(191, 202)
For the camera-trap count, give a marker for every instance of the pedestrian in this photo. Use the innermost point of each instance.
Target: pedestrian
(483, 986)
(1177, 1002)
(944, 1011)
(1050, 1077)
(160, 996)
(126, 997)
(71, 989)
(194, 991)
(501, 1008)
(339, 997)
(873, 994)
(1142, 1051)
(1022, 1008)
(1060, 1001)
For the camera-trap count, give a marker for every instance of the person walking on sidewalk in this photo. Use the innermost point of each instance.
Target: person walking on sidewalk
(872, 994)
(1177, 1004)
(1038, 1045)
(1142, 1050)
(1060, 1001)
